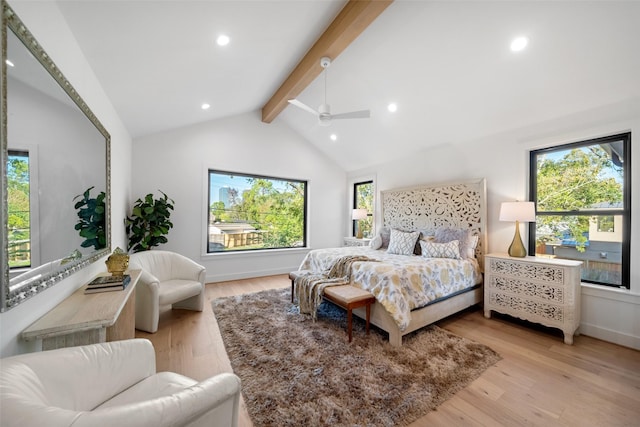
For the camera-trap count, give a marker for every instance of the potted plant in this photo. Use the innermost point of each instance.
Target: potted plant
(91, 222)
(149, 222)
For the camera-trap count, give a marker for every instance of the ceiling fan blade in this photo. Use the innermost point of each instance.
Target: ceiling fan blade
(363, 114)
(303, 106)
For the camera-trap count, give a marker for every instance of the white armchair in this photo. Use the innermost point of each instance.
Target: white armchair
(167, 278)
(110, 384)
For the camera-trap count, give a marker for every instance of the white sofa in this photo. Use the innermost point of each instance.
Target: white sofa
(110, 384)
(167, 278)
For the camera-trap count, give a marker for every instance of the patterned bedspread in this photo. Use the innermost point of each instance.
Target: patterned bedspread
(400, 283)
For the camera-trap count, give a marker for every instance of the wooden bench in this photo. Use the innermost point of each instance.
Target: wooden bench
(345, 296)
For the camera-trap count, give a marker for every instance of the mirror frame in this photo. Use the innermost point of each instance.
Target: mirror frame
(8, 298)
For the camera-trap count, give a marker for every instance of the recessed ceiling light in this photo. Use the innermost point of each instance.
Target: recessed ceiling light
(333, 137)
(393, 107)
(223, 40)
(519, 43)
(9, 63)
(205, 106)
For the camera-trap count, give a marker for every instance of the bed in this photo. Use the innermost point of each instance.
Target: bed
(413, 290)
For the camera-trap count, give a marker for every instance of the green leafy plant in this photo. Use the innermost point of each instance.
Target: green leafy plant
(149, 222)
(91, 222)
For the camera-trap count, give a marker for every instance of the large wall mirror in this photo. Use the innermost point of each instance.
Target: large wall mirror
(55, 171)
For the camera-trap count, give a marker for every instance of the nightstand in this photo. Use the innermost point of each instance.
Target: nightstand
(540, 290)
(354, 241)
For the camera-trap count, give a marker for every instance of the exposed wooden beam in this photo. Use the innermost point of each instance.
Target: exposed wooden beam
(352, 20)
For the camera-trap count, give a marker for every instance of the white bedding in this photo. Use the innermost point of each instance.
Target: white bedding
(400, 283)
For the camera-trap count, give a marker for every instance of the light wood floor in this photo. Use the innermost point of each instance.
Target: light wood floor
(539, 382)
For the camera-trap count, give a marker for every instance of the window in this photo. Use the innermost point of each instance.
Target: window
(582, 193)
(18, 209)
(363, 199)
(250, 212)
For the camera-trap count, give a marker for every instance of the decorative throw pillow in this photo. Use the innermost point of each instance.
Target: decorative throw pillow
(385, 234)
(471, 248)
(424, 235)
(376, 242)
(467, 242)
(402, 243)
(440, 250)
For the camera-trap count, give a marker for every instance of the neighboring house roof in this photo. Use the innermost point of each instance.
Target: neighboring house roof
(232, 227)
(607, 205)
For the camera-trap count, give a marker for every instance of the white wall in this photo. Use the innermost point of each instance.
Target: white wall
(609, 314)
(48, 26)
(177, 162)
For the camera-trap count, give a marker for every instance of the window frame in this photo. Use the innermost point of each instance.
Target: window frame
(354, 222)
(625, 211)
(256, 176)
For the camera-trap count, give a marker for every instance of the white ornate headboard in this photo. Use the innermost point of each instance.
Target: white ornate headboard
(427, 207)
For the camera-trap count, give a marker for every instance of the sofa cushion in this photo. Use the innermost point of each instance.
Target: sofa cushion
(158, 385)
(177, 290)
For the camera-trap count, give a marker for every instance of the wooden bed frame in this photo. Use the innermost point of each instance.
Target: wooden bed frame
(459, 205)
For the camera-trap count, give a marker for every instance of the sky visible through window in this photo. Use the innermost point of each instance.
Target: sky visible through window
(558, 155)
(217, 181)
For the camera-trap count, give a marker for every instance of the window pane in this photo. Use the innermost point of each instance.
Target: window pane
(18, 210)
(363, 199)
(248, 212)
(582, 193)
(588, 177)
(578, 238)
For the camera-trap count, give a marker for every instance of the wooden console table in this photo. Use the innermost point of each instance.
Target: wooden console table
(88, 319)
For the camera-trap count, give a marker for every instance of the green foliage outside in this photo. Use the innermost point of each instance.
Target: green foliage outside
(277, 214)
(580, 180)
(364, 200)
(149, 222)
(18, 209)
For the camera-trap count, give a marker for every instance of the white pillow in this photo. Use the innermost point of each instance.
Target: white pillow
(471, 248)
(376, 242)
(440, 250)
(402, 243)
(467, 242)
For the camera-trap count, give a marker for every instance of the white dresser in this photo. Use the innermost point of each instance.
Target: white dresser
(540, 290)
(354, 241)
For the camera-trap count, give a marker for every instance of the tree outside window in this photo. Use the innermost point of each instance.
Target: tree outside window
(18, 209)
(363, 199)
(582, 194)
(249, 212)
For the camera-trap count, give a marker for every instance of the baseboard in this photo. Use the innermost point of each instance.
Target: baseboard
(212, 278)
(610, 335)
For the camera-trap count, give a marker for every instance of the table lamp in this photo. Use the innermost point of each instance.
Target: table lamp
(518, 212)
(357, 215)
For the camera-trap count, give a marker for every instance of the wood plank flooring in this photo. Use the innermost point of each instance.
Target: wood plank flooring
(539, 382)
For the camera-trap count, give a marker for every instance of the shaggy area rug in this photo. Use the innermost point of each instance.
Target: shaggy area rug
(297, 372)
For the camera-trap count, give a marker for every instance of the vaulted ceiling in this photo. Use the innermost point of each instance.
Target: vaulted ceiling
(447, 65)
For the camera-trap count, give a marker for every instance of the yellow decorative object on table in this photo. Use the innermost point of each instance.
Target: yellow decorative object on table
(118, 262)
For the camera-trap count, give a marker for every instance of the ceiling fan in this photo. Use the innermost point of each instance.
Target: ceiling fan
(324, 111)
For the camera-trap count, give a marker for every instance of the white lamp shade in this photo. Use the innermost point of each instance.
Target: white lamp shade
(359, 214)
(518, 211)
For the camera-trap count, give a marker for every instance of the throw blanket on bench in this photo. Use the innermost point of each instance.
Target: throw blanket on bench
(309, 288)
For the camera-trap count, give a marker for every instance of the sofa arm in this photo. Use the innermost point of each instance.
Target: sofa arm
(213, 402)
(86, 374)
(187, 269)
(147, 302)
(147, 278)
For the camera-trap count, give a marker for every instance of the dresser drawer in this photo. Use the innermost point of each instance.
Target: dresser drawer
(540, 290)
